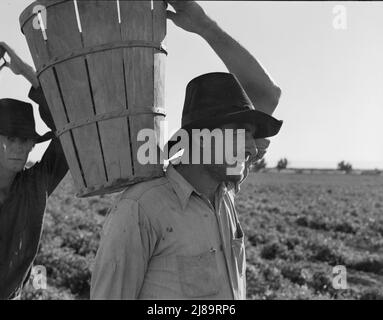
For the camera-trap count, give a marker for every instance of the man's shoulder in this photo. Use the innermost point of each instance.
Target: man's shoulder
(148, 198)
(145, 190)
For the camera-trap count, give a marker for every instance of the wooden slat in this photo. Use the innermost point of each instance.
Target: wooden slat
(39, 52)
(27, 14)
(54, 100)
(137, 24)
(35, 41)
(159, 35)
(63, 38)
(99, 26)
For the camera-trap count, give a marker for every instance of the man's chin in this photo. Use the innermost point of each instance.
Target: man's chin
(227, 173)
(237, 170)
(17, 167)
(234, 177)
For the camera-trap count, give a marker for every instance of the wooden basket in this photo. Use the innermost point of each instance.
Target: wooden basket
(101, 65)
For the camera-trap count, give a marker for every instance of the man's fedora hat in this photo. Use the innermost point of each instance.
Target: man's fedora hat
(16, 120)
(218, 98)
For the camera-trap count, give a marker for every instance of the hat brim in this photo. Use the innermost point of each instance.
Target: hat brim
(266, 125)
(33, 136)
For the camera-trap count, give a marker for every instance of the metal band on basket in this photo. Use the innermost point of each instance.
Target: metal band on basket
(108, 116)
(104, 47)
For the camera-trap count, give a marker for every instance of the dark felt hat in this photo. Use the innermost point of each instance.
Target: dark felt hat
(218, 98)
(16, 120)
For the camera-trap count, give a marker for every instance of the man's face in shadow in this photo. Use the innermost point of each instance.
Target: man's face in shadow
(14, 152)
(230, 165)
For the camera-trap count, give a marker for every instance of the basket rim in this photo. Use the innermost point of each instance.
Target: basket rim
(27, 13)
(117, 185)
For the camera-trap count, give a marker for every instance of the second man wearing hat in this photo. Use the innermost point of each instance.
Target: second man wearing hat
(23, 192)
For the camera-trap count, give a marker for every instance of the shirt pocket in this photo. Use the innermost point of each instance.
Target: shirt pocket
(198, 274)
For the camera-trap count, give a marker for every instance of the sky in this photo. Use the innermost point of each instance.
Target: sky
(331, 78)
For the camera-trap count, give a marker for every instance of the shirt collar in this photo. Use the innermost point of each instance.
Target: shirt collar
(184, 189)
(180, 185)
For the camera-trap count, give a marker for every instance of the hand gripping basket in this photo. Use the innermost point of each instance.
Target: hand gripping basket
(101, 65)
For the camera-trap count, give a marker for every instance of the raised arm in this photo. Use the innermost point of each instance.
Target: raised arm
(18, 66)
(53, 166)
(253, 77)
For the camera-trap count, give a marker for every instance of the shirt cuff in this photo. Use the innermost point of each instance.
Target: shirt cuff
(36, 94)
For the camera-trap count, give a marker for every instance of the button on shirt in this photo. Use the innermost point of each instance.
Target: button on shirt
(164, 240)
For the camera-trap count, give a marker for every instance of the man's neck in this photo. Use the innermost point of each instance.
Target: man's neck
(200, 179)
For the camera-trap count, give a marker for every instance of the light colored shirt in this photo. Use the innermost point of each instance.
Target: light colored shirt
(164, 240)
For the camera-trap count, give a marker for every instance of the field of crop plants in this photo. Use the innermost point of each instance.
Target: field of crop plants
(298, 226)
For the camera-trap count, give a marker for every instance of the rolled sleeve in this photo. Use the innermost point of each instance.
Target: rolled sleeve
(53, 166)
(127, 243)
(37, 95)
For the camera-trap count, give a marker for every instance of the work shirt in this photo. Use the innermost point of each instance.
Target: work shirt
(164, 240)
(22, 212)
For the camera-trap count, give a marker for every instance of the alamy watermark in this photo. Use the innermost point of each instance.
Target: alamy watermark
(38, 278)
(339, 280)
(229, 148)
(40, 19)
(339, 21)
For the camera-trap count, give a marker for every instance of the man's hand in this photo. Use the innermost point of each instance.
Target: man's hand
(258, 85)
(17, 65)
(2, 53)
(189, 16)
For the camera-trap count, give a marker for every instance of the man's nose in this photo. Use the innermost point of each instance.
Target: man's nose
(18, 149)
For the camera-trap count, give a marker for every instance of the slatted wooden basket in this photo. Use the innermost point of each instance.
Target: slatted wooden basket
(101, 65)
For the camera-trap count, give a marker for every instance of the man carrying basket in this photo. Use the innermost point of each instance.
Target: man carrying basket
(179, 236)
(23, 192)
